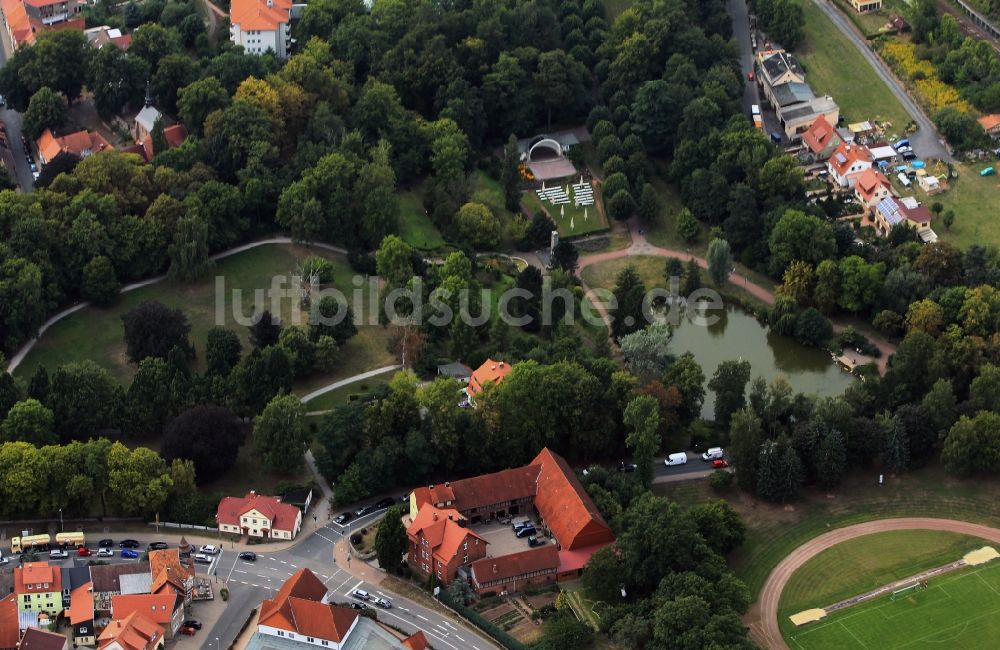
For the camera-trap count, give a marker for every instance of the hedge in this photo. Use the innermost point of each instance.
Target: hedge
(477, 619)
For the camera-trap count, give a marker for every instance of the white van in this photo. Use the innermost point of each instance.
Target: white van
(754, 109)
(712, 454)
(676, 459)
(903, 179)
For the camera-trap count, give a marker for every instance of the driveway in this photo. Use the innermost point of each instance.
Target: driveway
(926, 142)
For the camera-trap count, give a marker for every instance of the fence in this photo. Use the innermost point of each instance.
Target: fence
(168, 524)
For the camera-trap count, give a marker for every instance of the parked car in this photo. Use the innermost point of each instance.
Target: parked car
(105, 552)
(128, 543)
(627, 467)
(519, 524)
(534, 541)
(384, 603)
(192, 623)
(676, 459)
(361, 594)
(209, 549)
(719, 463)
(364, 510)
(750, 76)
(130, 554)
(104, 543)
(83, 551)
(156, 546)
(188, 630)
(58, 554)
(249, 556)
(200, 558)
(712, 454)
(343, 518)
(357, 605)
(526, 531)
(3, 561)
(385, 503)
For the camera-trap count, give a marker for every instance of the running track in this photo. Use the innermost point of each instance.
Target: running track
(762, 619)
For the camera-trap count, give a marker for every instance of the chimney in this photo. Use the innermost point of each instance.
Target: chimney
(494, 568)
(447, 483)
(430, 487)
(451, 518)
(435, 516)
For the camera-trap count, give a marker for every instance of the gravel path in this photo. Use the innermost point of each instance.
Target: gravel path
(762, 619)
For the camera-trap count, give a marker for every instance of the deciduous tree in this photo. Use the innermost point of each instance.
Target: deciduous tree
(279, 435)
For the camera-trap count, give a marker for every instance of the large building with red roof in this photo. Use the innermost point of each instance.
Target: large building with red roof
(133, 632)
(26, 19)
(39, 588)
(847, 163)
(164, 609)
(821, 138)
(260, 516)
(546, 487)
(80, 143)
(261, 26)
(440, 543)
(10, 632)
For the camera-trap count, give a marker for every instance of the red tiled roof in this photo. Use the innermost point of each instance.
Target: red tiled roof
(36, 573)
(989, 122)
(442, 530)
(490, 371)
(175, 135)
(506, 485)
(50, 146)
(165, 566)
(919, 214)
(819, 135)
(9, 631)
(159, 608)
(122, 42)
(565, 505)
(81, 604)
(256, 14)
(298, 607)
(416, 641)
(282, 515)
(869, 181)
(516, 564)
(576, 560)
(434, 495)
(133, 632)
(851, 154)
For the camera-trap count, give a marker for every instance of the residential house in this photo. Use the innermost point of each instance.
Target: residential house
(107, 581)
(39, 588)
(847, 163)
(81, 144)
(491, 372)
(133, 632)
(821, 138)
(72, 578)
(301, 498)
(508, 573)
(457, 371)
(258, 516)
(865, 6)
(98, 37)
(168, 574)
(793, 92)
(166, 609)
(261, 25)
(871, 187)
(26, 19)
(300, 616)
(440, 543)
(10, 632)
(776, 68)
(891, 212)
(35, 639)
(991, 124)
(81, 615)
(796, 119)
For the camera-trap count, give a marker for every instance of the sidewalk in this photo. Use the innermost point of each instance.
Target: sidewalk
(355, 567)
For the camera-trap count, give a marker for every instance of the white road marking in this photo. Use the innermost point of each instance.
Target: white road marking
(429, 633)
(239, 571)
(423, 618)
(460, 638)
(325, 537)
(283, 562)
(352, 590)
(446, 622)
(343, 583)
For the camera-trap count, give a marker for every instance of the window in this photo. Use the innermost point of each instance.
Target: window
(310, 639)
(281, 633)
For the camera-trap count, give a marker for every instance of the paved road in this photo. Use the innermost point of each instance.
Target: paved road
(926, 142)
(762, 619)
(741, 33)
(12, 119)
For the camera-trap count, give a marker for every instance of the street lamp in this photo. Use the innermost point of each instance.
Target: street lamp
(62, 528)
(217, 644)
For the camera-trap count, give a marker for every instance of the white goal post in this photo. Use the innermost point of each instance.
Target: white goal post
(916, 586)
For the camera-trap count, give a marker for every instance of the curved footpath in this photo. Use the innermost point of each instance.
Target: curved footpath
(641, 246)
(762, 619)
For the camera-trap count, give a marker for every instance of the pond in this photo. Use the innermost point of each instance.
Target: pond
(738, 335)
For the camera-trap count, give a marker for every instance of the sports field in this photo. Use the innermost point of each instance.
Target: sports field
(957, 610)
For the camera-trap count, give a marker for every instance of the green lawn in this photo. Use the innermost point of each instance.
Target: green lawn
(865, 563)
(774, 531)
(488, 191)
(835, 67)
(976, 202)
(603, 275)
(957, 610)
(571, 220)
(98, 335)
(415, 225)
(342, 395)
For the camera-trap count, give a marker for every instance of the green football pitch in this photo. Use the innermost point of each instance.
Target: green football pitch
(958, 610)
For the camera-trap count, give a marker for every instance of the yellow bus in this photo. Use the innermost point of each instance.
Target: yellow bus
(71, 539)
(21, 544)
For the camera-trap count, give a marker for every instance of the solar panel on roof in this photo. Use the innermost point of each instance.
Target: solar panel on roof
(841, 158)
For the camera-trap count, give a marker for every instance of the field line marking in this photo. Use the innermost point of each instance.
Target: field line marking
(853, 635)
(992, 588)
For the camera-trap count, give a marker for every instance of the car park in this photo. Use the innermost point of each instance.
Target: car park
(361, 594)
(83, 551)
(712, 454)
(384, 603)
(201, 558)
(209, 549)
(385, 503)
(156, 546)
(105, 543)
(719, 463)
(249, 556)
(128, 543)
(526, 531)
(58, 554)
(130, 554)
(105, 552)
(192, 623)
(343, 518)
